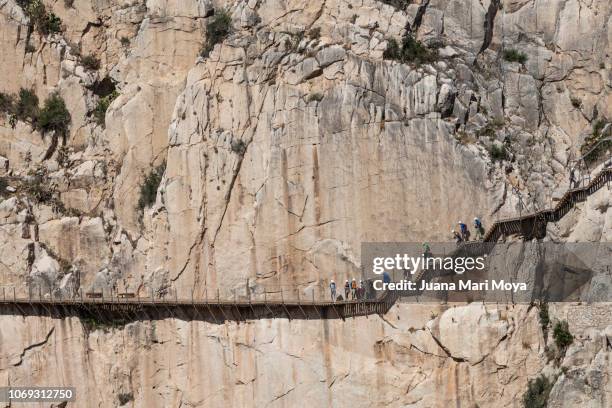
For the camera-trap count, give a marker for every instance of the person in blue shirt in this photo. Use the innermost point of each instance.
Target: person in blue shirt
(479, 228)
(465, 233)
(332, 288)
(386, 277)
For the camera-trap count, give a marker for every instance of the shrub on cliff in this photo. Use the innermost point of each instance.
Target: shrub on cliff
(99, 113)
(54, 116)
(563, 337)
(6, 103)
(537, 393)
(45, 22)
(217, 29)
(90, 62)
(26, 107)
(410, 51)
(148, 190)
(544, 319)
(513, 55)
(37, 187)
(498, 152)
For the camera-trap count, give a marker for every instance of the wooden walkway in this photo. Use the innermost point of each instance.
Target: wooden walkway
(534, 225)
(106, 312)
(529, 226)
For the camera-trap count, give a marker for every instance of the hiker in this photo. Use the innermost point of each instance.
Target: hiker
(572, 180)
(426, 254)
(386, 277)
(361, 290)
(463, 229)
(332, 288)
(479, 228)
(354, 289)
(457, 237)
(426, 250)
(347, 289)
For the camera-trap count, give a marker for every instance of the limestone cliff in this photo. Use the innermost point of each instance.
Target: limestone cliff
(277, 147)
(416, 355)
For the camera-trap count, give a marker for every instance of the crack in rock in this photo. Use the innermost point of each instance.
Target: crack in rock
(33, 346)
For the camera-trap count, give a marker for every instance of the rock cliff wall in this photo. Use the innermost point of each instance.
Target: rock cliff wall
(415, 355)
(278, 151)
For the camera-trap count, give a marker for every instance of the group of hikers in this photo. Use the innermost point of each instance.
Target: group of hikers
(356, 291)
(464, 233)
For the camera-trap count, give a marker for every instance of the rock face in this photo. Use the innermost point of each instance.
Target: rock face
(294, 140)
(467, 355)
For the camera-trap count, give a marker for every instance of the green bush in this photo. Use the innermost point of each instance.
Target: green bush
(37, 187)
(537, 393)
(54, 117)
(6, 103)
(561, 334)
(148, 190)
(50, 24)
(93, 323)
(513, 55)
(489, 129)
(27, 106)
(45, 22)
(544, 317)
(124, 41)
(217, 29)
(90, 62)
(99, 113)
(498, 152)
(3, 185)
(410, 51)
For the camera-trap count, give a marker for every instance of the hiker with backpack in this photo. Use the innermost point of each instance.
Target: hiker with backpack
(457, 237)
(332, 288)
(465, 232)
(354, 289)
(479, 228)
(347, 289)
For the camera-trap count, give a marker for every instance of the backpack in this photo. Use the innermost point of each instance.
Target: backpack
(478, 224)
(354, 285)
